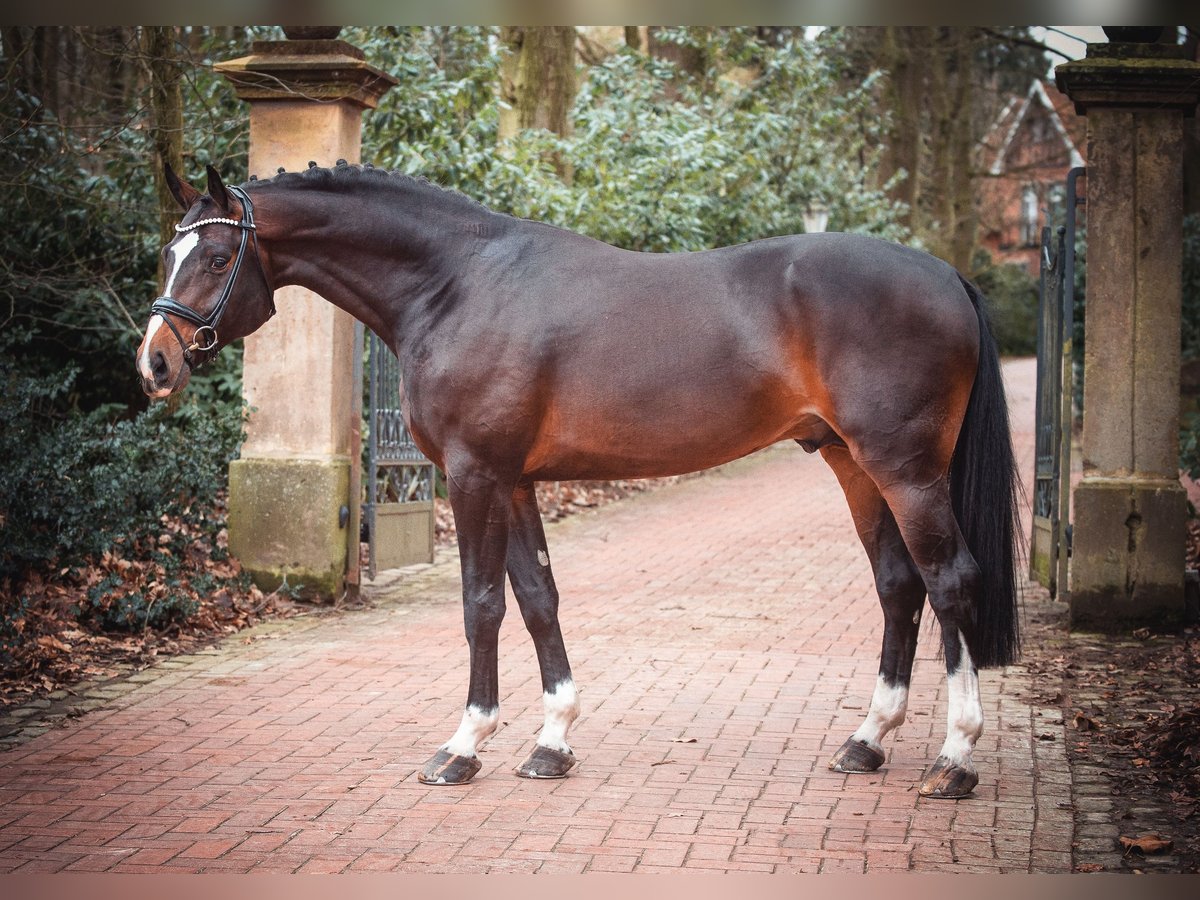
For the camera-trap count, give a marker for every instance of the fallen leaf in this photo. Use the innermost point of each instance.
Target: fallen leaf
(1147, 843)
(1084, 723)
(50, 642)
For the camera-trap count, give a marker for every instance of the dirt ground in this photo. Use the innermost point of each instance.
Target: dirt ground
(1131, 711)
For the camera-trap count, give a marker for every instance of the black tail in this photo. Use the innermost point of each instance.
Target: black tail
(984, 485)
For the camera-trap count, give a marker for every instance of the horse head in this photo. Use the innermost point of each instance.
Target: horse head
(216, 289)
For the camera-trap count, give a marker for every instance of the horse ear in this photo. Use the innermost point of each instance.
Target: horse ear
(185, 195)
(216, 187)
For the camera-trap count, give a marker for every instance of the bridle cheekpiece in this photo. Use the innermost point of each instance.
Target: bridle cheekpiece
(168, 306)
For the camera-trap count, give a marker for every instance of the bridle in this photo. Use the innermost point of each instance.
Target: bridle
(168, 306)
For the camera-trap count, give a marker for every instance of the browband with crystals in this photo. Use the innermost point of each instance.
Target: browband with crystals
(234, 222)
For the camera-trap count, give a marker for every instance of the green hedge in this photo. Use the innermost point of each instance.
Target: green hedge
(77, 489)
(72, 484)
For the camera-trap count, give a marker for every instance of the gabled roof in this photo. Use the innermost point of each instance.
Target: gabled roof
(1008, 123)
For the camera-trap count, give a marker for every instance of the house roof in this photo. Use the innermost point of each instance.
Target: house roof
(1058, 112)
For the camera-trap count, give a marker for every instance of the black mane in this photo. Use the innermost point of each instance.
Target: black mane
(356, 178)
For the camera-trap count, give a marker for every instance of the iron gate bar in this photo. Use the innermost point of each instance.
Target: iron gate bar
(396, 471)
(1048, 559)
(1067, 417)
(355, 525)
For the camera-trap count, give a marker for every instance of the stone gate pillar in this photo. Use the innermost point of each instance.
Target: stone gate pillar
(289, 493)
(1128, 548)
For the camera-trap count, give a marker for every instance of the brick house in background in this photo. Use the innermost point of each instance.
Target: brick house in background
(1025, 158)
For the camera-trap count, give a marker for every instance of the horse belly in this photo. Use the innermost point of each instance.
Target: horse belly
(684, 426)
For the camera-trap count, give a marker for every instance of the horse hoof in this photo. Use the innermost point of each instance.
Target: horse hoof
(447, 768)
(546, 762)
(856, 756)
(948, 781)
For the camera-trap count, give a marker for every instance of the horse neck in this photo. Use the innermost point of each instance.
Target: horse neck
(381, 255)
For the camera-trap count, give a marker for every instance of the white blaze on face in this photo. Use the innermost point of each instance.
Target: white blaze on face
(562, 708)
(476, 726)
(156, 322)
(179, 252)
(964, 712)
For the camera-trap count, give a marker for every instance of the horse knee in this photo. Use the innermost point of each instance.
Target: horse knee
(483, 615)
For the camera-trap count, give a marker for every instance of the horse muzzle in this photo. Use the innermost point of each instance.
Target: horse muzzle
(160, 376)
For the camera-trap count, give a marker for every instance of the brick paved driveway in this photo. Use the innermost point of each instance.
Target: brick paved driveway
(724, 635)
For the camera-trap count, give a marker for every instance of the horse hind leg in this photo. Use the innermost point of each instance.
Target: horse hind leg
(930, 530)
(533, 584)
(901, 594)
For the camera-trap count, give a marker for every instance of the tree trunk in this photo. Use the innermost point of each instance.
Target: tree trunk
(633, 37)
(537, 80)
(964, 215)
(951, 211)
(939, 218)
(908, 67)
(162, 61)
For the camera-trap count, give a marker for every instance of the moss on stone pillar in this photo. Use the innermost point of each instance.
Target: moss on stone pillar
(285, 521)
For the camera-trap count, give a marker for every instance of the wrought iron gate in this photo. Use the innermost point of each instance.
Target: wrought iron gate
(398, 481)
(1050, 540)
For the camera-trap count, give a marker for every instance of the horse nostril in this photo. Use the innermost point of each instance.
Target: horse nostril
(159, 367)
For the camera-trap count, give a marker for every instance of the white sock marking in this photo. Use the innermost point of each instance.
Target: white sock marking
(562, 708)
(476, 726)
(889, 703)
(964, 712)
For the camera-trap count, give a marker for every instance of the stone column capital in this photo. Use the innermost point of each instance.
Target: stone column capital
(322, 70)
(1158, 76)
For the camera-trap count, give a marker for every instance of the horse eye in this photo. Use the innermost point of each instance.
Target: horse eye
(219, 262)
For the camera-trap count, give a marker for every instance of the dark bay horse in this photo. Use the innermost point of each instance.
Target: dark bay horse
(529, 353)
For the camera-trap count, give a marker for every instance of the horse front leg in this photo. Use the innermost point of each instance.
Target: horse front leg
(480, 502)
(537, 597)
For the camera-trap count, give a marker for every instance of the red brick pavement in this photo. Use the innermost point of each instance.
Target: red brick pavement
(724, 635)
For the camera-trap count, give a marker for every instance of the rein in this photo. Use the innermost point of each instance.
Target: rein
(166, 307)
